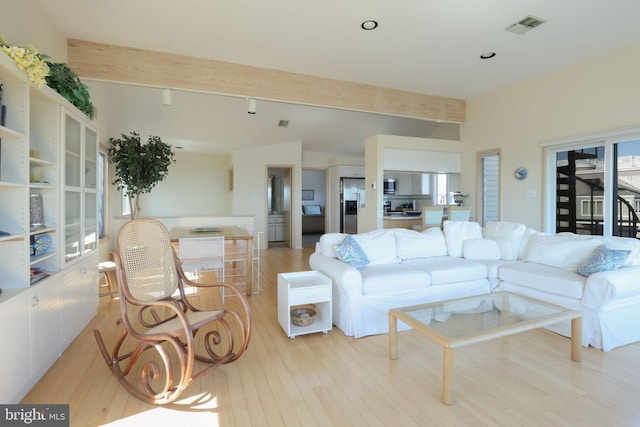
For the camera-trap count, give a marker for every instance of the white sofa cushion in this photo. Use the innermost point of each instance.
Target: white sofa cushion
(544, 278)
(392, 279)
(456, 232)
(379, 245)
(557, 251)
(448, 269)
(508, 236)
(413, 244)
(481, 249)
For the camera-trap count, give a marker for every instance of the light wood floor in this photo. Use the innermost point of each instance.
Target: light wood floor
(325, 380)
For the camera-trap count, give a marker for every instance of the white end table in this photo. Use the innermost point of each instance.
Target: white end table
(304, 287)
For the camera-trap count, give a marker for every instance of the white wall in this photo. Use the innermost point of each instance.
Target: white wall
(250, 183)
(23, 23)
(197, 185)
(598, 94)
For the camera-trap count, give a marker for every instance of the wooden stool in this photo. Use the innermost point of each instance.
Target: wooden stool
(107, 269)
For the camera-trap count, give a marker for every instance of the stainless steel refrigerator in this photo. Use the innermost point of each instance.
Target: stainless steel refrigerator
(352, 197)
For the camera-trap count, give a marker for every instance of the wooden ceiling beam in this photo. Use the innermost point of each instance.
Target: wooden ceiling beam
(120, 64)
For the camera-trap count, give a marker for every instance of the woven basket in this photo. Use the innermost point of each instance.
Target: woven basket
(303, 316)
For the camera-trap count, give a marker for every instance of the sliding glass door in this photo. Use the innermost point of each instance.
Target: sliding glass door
(594, 185)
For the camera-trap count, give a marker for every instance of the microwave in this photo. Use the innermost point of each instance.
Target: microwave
(389, 186)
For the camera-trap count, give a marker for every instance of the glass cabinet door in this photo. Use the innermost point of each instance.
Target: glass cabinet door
(80, 189)
(72, 226)
(90, 225)
(90, 159)
(72, 152)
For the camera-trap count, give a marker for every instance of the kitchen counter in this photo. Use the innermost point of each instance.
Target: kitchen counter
(401, 221)
(400, 217)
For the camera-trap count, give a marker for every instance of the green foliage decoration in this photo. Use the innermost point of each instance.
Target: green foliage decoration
(66, 82)
(139, 167)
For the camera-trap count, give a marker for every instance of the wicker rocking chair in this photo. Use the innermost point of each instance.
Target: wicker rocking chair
(156, 315)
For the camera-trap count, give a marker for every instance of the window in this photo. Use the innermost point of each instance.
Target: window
(443, 196)
(126, 207)
(594, 184)
(586, 208)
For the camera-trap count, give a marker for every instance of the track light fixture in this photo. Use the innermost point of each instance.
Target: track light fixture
(251, 105)
(166, 97)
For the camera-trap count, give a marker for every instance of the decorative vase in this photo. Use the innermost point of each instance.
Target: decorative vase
(36, 211)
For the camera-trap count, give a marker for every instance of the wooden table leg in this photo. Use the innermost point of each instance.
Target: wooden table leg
(393, 337)
(447, 376)
(576, 339)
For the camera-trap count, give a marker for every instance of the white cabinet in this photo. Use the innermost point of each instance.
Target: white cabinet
(300, 288)
(411, 183)
(30, 329)
(79, 297)
(44, 307)
(14, 358)
(275, 228)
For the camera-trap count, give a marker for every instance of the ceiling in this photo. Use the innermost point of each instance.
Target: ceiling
(426, 46)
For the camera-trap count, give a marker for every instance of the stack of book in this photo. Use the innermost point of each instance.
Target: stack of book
(38, 274)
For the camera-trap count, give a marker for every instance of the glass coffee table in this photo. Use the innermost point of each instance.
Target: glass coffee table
(459, 322)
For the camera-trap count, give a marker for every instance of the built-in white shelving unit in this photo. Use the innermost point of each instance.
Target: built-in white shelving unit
(41, 315)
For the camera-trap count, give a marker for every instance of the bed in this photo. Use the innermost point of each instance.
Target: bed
(312, 219)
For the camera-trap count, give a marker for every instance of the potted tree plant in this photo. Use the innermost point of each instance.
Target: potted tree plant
(139, 167)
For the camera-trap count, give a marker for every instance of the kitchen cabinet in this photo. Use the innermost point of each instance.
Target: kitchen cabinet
(410, 183)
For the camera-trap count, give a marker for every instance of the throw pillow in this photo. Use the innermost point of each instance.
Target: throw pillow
(481, 249)
(559, 252)
(456, 232)
(508, 235)
(379, 245)
(349, 251)
(602, 259)
(311, 209)
(413, 244)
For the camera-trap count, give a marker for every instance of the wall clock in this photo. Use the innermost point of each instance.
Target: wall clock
(520, 174)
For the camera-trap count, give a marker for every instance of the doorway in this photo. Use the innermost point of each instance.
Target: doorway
(313, 205)
(279, 181)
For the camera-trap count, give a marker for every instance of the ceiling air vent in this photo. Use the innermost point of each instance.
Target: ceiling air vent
(525, 25)
(283, 123)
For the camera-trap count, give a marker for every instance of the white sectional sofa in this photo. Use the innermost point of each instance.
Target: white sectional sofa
(399, 267)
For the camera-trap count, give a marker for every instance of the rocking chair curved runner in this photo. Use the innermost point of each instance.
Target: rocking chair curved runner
(157, 316)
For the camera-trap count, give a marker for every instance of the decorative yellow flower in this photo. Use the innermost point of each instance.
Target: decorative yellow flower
(29, 60)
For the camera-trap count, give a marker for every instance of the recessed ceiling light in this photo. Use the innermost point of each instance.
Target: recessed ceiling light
(487, 55)
(369, 25)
